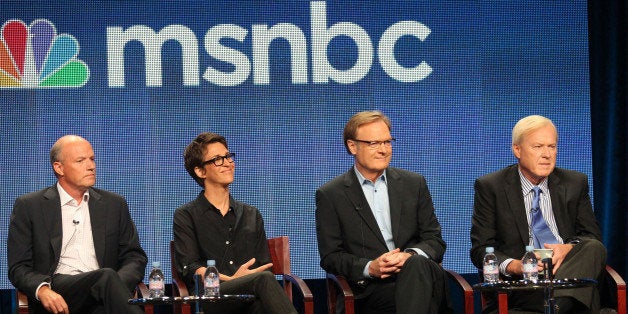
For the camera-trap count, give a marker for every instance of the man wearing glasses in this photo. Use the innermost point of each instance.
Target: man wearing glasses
(216, 226)
(376, 226)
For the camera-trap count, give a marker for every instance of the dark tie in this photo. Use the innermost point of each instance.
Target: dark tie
(541, 233)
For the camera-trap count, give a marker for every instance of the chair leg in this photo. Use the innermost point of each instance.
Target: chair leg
(502, 300)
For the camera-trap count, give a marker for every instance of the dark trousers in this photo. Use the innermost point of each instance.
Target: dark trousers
(420, 287)
(99, 291)
(269, 296)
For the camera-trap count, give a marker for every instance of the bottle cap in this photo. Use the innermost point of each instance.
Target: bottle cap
(490, 249)
(211, 262)
(156, 265)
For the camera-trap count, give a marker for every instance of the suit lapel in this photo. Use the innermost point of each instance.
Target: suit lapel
(52, 209)
(98, 218)
(353, 190)
(558, 193)
(514, 195)
(394, 200)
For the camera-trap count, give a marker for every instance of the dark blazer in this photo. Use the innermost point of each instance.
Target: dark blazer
(348, 235)
(34, 242)
(499, 215)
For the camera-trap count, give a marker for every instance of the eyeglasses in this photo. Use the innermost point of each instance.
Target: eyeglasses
(377, 144)
(219, 160)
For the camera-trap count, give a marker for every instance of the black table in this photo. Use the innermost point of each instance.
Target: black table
(547, 285)
(193, 300)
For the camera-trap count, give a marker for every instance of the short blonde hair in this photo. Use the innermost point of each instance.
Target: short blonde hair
(529, 124)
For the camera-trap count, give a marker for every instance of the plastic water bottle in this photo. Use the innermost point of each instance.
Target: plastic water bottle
(211, 280)
(156, 282)
(530, 270)
(491, 266)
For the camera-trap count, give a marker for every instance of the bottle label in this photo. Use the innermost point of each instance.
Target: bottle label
(529, 268)
(156, 285)
(490, 269)
(211, 281)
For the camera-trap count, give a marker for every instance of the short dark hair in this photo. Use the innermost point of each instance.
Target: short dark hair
(195, 151)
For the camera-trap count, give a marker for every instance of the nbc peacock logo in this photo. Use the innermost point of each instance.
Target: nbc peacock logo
(36, 57)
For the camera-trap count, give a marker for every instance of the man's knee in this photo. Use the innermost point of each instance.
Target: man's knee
(265, 276)
(106, 273)
(417, 262)
(595, 247)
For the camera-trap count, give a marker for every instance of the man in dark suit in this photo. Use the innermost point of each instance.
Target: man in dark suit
(503, 218)
(376, 226)
(72, 247)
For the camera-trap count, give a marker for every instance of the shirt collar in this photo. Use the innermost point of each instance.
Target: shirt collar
(66, 199)
(526, 185)
(362, 179)
(204, 202)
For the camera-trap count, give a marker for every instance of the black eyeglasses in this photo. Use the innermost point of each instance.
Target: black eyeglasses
(219, 160)
(376, 144)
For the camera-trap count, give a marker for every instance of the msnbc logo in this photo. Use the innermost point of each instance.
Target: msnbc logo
(36, 56)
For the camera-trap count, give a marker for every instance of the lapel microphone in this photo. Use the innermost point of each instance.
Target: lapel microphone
(75, 221)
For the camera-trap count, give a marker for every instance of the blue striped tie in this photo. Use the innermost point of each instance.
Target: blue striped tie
(541, 233)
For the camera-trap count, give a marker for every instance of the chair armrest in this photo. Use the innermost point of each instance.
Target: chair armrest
(336, 285)
(465, 287)
(302, 286)
(141, 291)
(308, 297)
(621, 289)
(22, 302)
(179, 289)
(619, 281)
(341, 283)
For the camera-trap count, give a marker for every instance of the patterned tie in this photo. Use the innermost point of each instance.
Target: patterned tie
(541, 233)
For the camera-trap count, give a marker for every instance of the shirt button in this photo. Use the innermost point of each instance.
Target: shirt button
(227, 242)
(230, 262)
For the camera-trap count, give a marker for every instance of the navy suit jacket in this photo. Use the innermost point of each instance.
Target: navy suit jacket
(348, 234)
(499, 216)
(35, 235)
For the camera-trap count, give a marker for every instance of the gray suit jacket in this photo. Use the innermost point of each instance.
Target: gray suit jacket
(34, 242)
(348, 235)
(499, 215)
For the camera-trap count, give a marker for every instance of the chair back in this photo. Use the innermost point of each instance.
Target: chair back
(279, 248)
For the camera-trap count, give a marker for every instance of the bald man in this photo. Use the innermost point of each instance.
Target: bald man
(72, 247)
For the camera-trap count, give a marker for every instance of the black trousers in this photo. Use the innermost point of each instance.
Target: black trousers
(269, 296)
(99, 291)
(420, 287)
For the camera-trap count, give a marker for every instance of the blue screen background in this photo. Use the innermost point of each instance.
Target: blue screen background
(493, 63)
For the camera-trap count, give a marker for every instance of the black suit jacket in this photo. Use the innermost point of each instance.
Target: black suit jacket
(34, 242)
(348, 235)
(499, 215)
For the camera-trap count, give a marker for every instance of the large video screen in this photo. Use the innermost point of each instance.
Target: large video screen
(279, 79)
